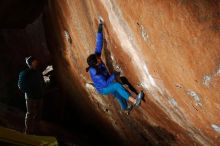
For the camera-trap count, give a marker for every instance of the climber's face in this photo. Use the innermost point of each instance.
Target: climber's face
(99, 60)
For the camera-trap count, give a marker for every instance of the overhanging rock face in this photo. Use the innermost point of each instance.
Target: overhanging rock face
(168, 48)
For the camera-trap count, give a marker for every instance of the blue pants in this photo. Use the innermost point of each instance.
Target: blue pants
(118, 91)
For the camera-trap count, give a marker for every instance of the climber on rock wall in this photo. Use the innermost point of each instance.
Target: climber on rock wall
(105, 83)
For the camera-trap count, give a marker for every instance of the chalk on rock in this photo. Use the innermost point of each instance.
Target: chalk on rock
(100, 19)
(216, 127)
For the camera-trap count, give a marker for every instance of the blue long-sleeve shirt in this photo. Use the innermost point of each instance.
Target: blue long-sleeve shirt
(103, 78)
(99, 44)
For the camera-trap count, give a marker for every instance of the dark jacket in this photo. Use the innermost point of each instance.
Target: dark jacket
(31, 82)
(101, 79)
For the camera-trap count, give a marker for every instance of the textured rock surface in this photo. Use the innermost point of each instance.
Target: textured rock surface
(169, 48)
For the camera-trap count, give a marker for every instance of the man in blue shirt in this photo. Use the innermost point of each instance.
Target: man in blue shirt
(104, 82)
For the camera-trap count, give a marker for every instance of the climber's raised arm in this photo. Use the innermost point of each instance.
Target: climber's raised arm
(99, 40)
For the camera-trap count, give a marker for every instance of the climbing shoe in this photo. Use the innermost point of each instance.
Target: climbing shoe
(138, 98)
(129, 108)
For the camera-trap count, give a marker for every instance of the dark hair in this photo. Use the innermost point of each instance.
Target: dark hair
(92, 61)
